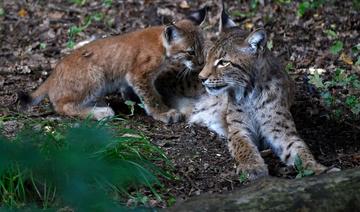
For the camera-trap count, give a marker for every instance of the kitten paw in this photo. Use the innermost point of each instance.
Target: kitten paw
(102, 112)
(253, 172)
(170, 117)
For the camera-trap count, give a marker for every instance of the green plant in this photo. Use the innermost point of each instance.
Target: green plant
(78, 164)
(289, 67)
(2, 11)
(336, 47)
(75, 30)
(335, 100)
(330, 33)
(107, 3)
(356, 52)
(283, 1)
(243, 177)
(301, 171)
(305, 6)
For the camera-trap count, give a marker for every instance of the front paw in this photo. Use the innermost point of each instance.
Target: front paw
(252, 171)
(169, 117)
(318, 168)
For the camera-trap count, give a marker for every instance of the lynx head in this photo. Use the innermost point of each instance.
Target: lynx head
(183, 40)
(232, 59)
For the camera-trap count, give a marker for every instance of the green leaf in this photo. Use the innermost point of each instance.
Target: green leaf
(302, 8)
(308, 172)
(42, 45)
(97, 16)
(316, 80)
(2, 11)
(107, 3)
(70, 44)
(243, 177)
(298, 164)
(330, 33)
(74, 30)
(327, 98)
(356, 109)
(351, 101)
(289, 67)
(336, 47)
(358, 61)
(253, 4)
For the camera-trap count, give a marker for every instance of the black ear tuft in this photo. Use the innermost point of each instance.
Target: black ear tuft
(198, 16)
(24, 99)
(172, 33)
(225, 22)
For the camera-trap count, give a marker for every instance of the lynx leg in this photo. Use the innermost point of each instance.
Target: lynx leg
(73, 109)
(241, 146)
(153, 103)
(279, 130)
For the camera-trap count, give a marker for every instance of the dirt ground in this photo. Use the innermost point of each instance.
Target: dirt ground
(33, 37)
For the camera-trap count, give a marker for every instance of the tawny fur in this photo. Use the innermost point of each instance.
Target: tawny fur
(106, 65)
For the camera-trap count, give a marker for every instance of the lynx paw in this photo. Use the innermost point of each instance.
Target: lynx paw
(253, 172)
(170, 117)
(319, 169)
(102, 112)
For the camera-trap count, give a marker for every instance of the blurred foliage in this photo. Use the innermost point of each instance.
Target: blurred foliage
(305, 6)
(82, 165)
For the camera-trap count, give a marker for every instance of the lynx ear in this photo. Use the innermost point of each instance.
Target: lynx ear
(172, 34)
(257, 40)
(198, 17)
(225, 22)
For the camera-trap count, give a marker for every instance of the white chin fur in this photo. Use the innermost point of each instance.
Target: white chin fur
(216, 92)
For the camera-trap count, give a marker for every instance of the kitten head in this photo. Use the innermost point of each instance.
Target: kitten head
(184, 40)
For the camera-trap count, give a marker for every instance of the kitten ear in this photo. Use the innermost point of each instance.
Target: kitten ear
(172, 34)
(198, 17)
(257, 40)
(225, 22)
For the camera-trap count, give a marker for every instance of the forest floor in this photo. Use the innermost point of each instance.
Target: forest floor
(34, 36)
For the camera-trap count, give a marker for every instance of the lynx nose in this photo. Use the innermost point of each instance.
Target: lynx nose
(202, 78)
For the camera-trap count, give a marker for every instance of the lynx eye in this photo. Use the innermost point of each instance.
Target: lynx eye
(191, 52)
(221, 63)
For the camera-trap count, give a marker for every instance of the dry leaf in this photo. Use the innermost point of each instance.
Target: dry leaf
(320, 71)
(22, 13)
(346, 59)
(249, 25)
(184, 5)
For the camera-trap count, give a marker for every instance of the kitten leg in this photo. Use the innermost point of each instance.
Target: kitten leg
(152, 101)
(278, 127)
(241, 146)
(73, 109)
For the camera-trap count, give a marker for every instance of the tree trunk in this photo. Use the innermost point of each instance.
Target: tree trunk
(338, 191)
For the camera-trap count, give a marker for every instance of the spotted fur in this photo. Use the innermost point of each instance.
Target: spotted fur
(259, 94)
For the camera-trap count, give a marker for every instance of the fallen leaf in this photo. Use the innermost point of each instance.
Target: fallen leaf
(316, 70)
(249, 25)
(22, 13)
(184, 5)
(346, 59)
